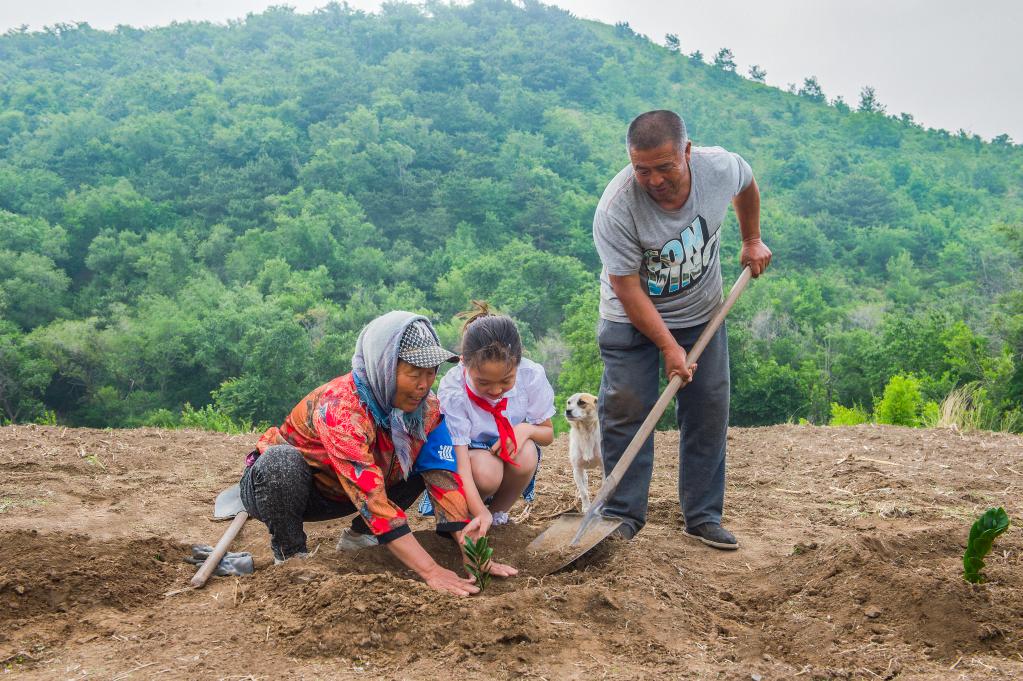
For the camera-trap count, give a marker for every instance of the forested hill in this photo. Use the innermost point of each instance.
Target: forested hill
(208, 214)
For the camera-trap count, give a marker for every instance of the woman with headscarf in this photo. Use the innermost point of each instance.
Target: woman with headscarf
(350, 446)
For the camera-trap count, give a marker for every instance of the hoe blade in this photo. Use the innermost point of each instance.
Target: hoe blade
(556, 540)
(228, 503)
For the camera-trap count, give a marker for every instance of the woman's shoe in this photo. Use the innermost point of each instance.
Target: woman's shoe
(353, 541)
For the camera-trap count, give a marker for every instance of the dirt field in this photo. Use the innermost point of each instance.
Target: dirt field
(849, 568)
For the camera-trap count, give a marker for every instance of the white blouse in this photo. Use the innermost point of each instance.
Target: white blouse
(531, 400)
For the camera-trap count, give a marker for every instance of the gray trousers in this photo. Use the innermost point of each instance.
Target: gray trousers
(628, 390)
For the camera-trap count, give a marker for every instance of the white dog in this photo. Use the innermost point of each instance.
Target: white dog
(583, 440)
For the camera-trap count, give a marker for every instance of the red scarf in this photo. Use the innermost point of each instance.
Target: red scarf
(505, 432)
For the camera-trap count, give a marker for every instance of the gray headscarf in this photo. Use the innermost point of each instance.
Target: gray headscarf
(375, 365)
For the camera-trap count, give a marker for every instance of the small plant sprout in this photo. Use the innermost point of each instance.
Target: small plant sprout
(992, 523)
(478, 554)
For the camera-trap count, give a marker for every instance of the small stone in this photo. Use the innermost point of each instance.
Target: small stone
(20, 590)
(756, 677)
(872, 612)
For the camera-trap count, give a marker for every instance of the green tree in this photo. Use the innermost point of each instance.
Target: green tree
(725, 60)
(811, 89)
(276, 374)
(33, 288)
(869, 102)
(583, 368)
(901, 404)
(24, 376)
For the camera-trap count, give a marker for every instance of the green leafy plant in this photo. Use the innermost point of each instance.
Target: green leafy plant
(982, 535)
(901, 403)
(478, 554)
(848, 416)
(210, 418)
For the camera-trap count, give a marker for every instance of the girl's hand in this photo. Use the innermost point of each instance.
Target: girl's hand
(478, 526)
(501, 570)
(523, 431)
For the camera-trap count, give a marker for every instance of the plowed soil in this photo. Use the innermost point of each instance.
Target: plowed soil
(849, 567)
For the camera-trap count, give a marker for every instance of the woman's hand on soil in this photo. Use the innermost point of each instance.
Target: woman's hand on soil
(441, 579)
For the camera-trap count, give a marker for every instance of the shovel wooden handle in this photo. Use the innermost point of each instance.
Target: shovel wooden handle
(219, 550)
(615, 476)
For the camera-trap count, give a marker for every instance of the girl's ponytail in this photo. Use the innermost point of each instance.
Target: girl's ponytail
(488, 337)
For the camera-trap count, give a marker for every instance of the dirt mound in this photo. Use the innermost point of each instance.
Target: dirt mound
(368, 605)
(901, 591)
(849, 567)
(64, 573)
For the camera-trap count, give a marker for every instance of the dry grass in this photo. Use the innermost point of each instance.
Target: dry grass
(967, 409)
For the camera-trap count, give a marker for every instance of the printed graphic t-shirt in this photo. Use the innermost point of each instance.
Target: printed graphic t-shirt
(676, 253)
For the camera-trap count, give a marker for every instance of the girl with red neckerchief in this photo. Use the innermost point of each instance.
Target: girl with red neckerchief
(498, 407)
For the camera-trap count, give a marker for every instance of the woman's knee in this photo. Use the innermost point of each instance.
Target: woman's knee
(281, 466)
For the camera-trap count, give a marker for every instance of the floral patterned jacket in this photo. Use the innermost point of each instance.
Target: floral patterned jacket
(353, 459)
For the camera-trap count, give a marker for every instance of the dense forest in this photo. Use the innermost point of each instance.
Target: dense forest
(196, 220)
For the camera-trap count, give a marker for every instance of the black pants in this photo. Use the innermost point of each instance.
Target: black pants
(278, 489)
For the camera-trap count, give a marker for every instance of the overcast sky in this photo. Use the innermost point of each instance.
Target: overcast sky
(950, 64)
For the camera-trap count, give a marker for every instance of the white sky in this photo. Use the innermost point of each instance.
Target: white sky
(950, 64)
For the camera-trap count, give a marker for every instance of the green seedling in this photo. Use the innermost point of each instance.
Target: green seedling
(982, 536)
(478, 553)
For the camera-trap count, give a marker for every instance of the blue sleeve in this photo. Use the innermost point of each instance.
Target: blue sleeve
(455, 405)
(438, 452)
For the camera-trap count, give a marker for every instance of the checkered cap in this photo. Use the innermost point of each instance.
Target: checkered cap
(418, 346)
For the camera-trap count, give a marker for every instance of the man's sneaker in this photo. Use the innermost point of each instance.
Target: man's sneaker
(625, 531)
(712, 534)
(353, 541)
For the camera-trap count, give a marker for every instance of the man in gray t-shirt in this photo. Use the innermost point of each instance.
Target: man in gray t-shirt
(657, 230)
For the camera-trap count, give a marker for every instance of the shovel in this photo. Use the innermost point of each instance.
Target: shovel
(573, 534)
(228, 505)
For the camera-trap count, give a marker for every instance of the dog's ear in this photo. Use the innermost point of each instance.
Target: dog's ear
(589, 399)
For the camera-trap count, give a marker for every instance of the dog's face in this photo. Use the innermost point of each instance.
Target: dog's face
(581, 407)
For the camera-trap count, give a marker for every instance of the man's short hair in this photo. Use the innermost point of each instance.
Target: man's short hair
(652, 129)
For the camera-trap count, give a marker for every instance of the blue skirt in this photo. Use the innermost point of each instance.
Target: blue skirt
(439, 454)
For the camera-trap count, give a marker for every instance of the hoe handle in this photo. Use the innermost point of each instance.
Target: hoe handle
(219, 550)
(615, 476)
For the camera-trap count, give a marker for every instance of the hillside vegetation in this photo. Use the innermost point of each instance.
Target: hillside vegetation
(207, 215)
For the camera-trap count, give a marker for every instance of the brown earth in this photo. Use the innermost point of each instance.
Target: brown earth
(849, 568)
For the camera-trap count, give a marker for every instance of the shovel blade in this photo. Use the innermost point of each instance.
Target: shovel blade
(556, 540)
(228, 503)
